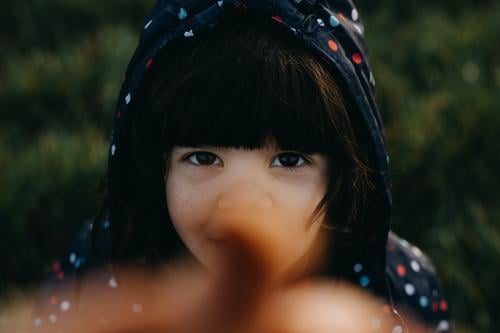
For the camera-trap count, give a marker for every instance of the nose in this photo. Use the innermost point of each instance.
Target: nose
(239, 207)
(244, 198)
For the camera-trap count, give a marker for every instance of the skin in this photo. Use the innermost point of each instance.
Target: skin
(178, 303)
(265, 195)
(223, 202)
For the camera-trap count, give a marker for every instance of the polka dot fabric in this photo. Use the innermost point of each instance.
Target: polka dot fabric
(334, 32)
(414, 285)
(332, 29)
(383, 263)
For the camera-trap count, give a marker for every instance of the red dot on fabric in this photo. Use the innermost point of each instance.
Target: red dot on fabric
(60, 275)
(332, 45)
(149, 63)
(277, 18)
(342, 17)
(386, 309)
(435, 306)
(53, 300)
(391, 247)
(56, 266)
(443, 305)
(356, 57)
(401, 270)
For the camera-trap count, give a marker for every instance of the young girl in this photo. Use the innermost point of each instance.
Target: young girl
(262, 113)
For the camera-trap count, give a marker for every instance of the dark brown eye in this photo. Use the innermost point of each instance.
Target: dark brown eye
(288, 160)
(203, 158)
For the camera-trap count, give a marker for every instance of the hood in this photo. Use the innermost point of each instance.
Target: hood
(334, 32)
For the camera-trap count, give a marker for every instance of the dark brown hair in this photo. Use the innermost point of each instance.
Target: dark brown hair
(235, 86)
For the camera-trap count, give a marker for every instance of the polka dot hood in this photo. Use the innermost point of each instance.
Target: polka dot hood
(383, 263)
(333, 31)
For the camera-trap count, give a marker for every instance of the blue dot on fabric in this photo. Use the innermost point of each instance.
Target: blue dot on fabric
(334, 21)
(182, 13)
(424, 301)
(79, 262)
(364, 281)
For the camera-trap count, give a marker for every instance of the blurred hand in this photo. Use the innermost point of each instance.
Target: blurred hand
(243, 298)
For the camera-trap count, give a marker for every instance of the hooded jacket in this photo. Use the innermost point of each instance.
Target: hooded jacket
(383, 263)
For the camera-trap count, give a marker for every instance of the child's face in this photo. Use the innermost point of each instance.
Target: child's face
(212, 192)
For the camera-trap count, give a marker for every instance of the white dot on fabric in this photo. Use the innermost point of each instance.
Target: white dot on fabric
(127, 98)
(113, 149)
(358, 268)
(376, 324)
(443, 325)
(404, 242)
(354, 15)
(137, 308)
(220, 3)
(416, 251)
(72, 258)
(112, 283)
(52, 318)
(189, 33)
(415, 266)
(37, 322)
(148, 24)
(358, 29)
(397, 329)
(372, 78)
(65, 305)
(320, 22)
(409, 289)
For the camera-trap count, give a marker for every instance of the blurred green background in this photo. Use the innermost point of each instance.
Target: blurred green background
(438, 85)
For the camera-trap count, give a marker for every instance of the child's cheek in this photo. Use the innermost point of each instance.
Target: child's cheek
(284, 226)
(295, 206)
(188, 209)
